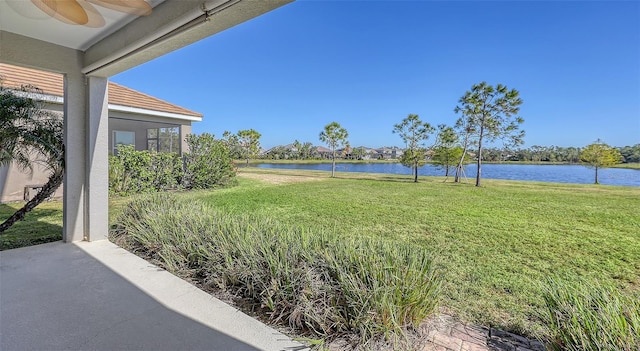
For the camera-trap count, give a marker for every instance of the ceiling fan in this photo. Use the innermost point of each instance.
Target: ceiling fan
(83, 12)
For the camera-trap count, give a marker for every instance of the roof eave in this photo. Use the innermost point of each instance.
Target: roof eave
(53, 99)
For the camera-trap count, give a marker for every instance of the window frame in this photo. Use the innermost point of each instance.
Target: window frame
(157, 139)
(115, 144)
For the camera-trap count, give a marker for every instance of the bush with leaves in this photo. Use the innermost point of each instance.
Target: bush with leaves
(208, 163)
(132, 171)
(167, 171)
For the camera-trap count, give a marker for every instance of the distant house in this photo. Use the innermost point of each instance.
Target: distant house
(324, 152)
(362, 153)
(280, 152)
(135, 118)
(389, 153)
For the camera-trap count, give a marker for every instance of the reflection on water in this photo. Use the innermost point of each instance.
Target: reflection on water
(543, 173)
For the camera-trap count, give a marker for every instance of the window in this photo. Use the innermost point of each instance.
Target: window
(164, 139)
(123, 138)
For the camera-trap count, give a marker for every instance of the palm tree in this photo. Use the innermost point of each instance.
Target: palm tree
(30, 135)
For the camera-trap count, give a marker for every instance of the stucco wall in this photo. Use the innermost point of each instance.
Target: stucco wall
(13, 181)
(139, 125)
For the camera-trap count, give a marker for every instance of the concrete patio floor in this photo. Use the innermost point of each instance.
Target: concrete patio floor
(97, 296)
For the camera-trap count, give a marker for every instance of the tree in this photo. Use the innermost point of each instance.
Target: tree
(410, 158)
(630, 154)
(235, 149)
(306, 151)
(465, 133)
(489, 113)
(600, 155)
(334, 136)
(250, 142)
(297, 146)
(30, 135)
(358, 153)
(208, 164)
(414, 132)
(447, 150)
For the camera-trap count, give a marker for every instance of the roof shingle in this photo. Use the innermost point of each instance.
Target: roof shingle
(52, 84)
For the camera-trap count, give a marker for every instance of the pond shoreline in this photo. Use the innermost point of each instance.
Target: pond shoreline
(239, 163)
(555, 173)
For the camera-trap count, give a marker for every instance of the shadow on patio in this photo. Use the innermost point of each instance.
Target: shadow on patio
(97, 296)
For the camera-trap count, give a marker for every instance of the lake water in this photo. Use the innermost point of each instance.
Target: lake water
(543, 173)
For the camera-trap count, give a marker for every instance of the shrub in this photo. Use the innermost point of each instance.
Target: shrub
(313, 280)
(590, 316)
(166, 168)
(208, 163)
(132, 171)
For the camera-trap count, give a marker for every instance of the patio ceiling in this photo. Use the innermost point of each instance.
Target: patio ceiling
(26, 18)
(112, 39)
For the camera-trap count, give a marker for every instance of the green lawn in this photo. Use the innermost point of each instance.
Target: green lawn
(495, 245)
(628, 165)
(42, 225)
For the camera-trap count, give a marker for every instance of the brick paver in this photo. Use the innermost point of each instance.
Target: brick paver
(444, 333)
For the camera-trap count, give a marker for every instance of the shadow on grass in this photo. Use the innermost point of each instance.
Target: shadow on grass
(42, 225)
(403, 179)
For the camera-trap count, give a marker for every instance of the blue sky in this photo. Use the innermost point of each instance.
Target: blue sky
(368, 64)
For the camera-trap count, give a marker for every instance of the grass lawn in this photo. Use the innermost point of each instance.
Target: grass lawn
(628, 165)
(42, 225)
(495, 245)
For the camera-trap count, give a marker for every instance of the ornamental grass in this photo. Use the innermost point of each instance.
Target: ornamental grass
(311, 279)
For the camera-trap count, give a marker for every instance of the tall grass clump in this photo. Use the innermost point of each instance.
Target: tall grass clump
(310, 279)
(590, 316)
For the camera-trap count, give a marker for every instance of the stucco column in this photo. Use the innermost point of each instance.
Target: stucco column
(184, 131)
(97, 162)
(74, 140)
(86, 179)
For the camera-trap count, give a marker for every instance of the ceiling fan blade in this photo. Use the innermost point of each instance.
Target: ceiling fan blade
(68, 11)
(134, 7)
(95, 18)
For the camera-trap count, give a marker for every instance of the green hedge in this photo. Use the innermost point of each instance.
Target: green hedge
(207, 165)
(132, 171)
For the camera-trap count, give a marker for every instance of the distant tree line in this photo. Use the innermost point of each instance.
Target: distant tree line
(541, 154)
(446, 151)
(488, 115)
(293, 151)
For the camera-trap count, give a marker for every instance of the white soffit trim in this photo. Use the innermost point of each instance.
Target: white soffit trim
(144, 111)
(39, 97)
(113, 107)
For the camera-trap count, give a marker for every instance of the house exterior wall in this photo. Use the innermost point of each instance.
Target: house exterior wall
(13, 180)
(139, 124)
